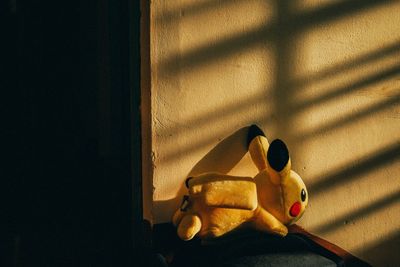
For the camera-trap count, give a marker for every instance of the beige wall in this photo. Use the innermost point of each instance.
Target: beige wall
(322, 75)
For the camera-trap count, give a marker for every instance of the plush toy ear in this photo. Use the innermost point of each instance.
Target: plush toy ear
(272, 157)
(257, 145)
(278, 155)
(278, 160)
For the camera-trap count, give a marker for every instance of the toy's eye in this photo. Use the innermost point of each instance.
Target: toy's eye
(303, 195)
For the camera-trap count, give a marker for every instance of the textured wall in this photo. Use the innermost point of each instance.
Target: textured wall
(322, 75)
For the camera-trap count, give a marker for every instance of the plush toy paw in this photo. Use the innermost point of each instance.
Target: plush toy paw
(189, 227)
(282, 230)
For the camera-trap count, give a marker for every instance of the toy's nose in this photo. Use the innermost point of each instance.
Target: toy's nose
(295, 209)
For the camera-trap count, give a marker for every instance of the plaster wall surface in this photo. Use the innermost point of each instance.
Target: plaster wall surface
(322, 75)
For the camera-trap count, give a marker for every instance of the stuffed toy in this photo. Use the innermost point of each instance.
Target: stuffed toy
(218, 203)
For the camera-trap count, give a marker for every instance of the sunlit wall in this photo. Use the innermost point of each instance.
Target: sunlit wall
(322, 75)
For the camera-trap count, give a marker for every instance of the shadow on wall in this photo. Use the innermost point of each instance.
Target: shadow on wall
(378, 159)
(281, 33)
(360, 213)
(286, 26)
(384, 253)
(212, 162)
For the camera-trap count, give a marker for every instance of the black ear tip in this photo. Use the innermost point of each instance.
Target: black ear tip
(187, 181)
(254, 131)
(278, 155)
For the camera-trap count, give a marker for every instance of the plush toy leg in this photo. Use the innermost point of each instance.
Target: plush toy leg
(264, 221)
(189, 226)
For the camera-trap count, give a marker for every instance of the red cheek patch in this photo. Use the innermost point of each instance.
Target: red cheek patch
(295, 209)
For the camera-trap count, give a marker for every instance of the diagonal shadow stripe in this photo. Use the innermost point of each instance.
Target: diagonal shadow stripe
(376, 159)
(349, 119)
(222, 49)
(196, 9)
(218, 114)
(347, 66)
(334, 11)
(355, 86)
(360, 213)
(211, 138)
(384, 251)
(287, 26)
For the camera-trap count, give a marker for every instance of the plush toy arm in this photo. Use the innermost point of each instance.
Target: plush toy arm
(265, 221)
(224, 191)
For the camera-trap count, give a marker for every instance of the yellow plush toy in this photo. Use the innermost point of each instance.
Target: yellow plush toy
(218, 203)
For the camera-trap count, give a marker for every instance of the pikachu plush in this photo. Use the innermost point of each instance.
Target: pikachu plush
(218, 203)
